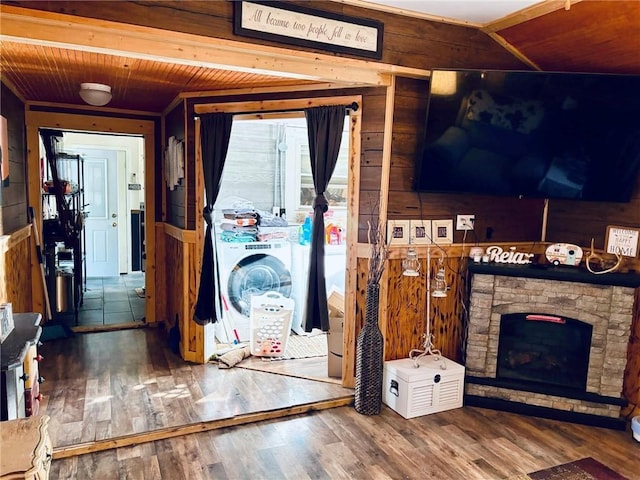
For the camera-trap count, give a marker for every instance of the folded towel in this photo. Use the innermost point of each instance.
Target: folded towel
(265, 237)
(232, 358)
(230, 227)
(239, 237)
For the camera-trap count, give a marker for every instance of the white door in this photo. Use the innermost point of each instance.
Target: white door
(102, 222)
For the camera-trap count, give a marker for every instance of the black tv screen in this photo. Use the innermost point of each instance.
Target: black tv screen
(532, 134)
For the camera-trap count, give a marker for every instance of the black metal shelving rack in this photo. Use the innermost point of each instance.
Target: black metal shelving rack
(63, 234)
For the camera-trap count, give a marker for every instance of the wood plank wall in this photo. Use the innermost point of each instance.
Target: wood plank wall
(16, 244)
(175, 212)
(405, 306)
(13, 193)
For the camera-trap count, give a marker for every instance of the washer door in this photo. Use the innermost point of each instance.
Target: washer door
(256, 275)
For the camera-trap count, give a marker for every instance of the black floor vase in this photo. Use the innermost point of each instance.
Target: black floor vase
(369, 358)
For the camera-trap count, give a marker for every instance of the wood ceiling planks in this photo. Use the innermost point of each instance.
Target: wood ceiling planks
(593, 36)
(51, 74)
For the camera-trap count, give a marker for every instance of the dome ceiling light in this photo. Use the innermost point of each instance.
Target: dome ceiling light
(96, 94)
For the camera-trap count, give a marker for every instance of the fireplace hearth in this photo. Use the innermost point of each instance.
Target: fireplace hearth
(549, 342)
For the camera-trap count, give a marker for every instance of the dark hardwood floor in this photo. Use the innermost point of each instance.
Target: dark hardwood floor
(116, 384)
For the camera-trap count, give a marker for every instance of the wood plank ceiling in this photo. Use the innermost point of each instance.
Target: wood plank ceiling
(52, 74)
(592, 36)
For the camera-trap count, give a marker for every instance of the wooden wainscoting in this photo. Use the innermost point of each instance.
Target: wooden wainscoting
(179, 272)
(15, 276)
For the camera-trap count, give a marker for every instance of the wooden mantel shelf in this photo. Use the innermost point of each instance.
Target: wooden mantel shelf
(548, 272)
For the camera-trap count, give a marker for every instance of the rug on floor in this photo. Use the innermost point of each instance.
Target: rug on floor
(583, 469)
(305, 346)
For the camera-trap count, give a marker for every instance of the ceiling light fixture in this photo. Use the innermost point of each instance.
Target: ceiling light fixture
(96, 94)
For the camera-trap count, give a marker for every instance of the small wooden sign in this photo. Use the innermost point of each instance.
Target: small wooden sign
(622, 240)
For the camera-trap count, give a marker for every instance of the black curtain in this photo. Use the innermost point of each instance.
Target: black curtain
(215, 130)
(324, 128)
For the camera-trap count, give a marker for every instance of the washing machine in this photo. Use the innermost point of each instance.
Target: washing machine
(247, 269)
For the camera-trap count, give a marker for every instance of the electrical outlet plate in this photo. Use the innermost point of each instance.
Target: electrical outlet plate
(465, 222)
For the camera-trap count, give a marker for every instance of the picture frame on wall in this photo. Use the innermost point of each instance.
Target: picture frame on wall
(622, 240)
(420, 232)
(442, 231)
(398, 232)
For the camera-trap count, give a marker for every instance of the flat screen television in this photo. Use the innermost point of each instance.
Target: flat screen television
(531, 134)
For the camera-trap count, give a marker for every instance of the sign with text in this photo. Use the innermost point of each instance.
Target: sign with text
(303, 26)
(622, 240)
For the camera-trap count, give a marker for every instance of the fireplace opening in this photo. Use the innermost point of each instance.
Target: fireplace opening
(544, 349)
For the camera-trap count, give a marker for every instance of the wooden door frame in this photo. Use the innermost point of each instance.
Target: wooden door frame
(86, 122)
(353, 196)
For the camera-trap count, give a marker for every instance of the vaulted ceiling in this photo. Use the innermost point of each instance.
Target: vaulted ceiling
(588, 36)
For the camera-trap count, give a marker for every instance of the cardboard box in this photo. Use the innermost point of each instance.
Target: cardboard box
(430, 388)
(335, 302)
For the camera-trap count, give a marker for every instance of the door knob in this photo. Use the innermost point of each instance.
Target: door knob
(114, 215)
(114, 224)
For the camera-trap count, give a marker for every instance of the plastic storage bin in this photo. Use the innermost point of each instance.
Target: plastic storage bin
(270, 324)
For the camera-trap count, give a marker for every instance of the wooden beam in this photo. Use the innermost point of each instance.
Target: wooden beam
(274, 105)
(113, 38)
(514, 51)
(183, 236)
(526, 14)
(205, 426)
(351, 280)
(88, 109)
(384, 198)
(258, 90)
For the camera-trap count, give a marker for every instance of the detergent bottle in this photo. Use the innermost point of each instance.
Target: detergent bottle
(333, 237)
(305, 238)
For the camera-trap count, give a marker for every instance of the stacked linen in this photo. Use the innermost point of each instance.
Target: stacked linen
(270, 227)
(239, 225)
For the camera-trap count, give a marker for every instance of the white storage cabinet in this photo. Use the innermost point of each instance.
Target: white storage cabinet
(413, 392)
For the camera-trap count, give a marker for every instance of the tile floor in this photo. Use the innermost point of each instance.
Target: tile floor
(112, 300)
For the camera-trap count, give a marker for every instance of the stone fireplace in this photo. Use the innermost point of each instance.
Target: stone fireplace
(550, 342)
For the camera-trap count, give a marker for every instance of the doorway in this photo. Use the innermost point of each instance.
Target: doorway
(114, 284)
(267, 176)
(144, 131)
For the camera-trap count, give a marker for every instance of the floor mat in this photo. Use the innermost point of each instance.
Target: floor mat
(305, 346)
(584, 469)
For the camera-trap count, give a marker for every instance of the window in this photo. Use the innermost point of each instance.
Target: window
(299, 167)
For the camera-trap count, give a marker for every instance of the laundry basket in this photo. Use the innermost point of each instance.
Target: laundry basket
(270, 323)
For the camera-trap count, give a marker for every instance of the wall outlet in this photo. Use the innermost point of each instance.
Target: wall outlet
(465, 222)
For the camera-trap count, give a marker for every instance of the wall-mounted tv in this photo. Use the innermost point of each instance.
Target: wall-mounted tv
(532, 134)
